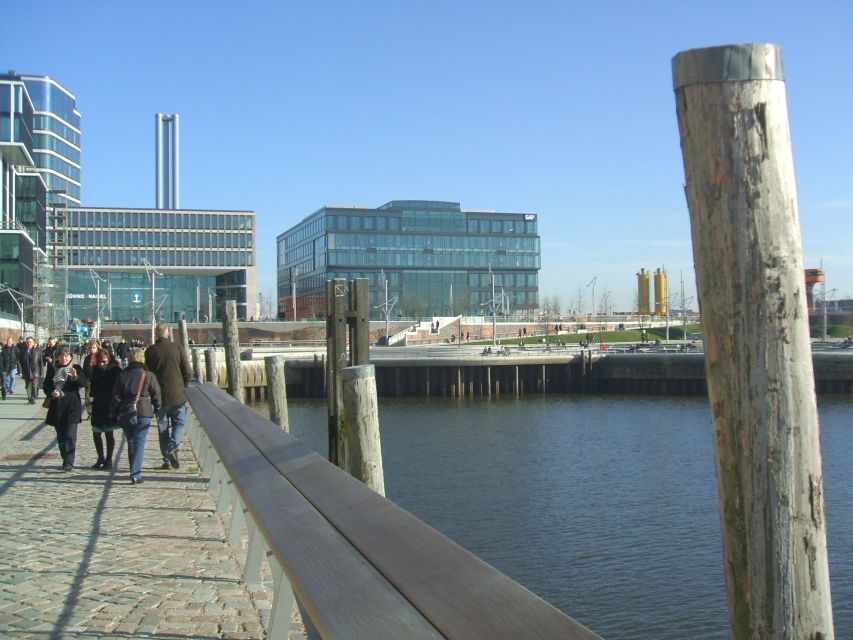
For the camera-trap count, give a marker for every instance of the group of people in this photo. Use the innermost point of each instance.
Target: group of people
(121, 386)
(22, 360)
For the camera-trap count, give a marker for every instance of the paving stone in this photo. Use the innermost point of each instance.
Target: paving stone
(88, 555)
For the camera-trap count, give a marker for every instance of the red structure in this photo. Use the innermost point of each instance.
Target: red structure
(813, 276)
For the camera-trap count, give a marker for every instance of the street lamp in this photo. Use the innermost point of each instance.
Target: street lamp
(152, 274)
(386, 306)
(210, 295)
(97, 280)
(19, 303)
(592, 283)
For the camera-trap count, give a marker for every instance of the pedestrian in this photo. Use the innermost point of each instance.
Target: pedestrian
(30, 364)
(135, 400)
(121, 352)
(101, 383)
(89, 363)
(8, 366)
(168, 361)
(47, 352)
(62, 385)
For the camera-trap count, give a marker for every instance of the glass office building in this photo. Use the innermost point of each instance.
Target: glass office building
(186, 261)
(437, 258)
(55, 138)
(23, 196)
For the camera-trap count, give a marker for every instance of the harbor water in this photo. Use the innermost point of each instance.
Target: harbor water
(604, 506)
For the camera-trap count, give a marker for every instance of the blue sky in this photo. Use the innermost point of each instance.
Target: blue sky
(560, 108)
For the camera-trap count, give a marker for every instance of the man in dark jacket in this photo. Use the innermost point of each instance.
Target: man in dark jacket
(30, 369)
(169, 363)
(8, 367)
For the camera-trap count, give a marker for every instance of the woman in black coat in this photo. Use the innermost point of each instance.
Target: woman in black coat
(62, 385)
(101, 382)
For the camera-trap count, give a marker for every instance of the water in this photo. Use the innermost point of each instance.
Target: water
(604, 506)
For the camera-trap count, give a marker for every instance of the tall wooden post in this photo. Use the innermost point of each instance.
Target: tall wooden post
(361, 416)
(277, 391)
(347, 321)
(733, 122)
(232, 350)
(210, 366)
(197, 369)
(184, 337)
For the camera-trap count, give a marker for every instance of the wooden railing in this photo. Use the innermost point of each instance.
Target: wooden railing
(359, 565)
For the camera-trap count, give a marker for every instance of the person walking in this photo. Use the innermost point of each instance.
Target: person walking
(30, 369)
(8, 366)
(134, 402)
(62, 385)
(169, 363)
(101, 383)
(89, 362)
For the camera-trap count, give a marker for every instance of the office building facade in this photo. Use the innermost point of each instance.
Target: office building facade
(124, 264)
(23, 202)
(437, 259)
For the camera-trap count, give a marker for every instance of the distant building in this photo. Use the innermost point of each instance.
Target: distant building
(167, 156)
(39, 165)
(438, 258)
(197, 259)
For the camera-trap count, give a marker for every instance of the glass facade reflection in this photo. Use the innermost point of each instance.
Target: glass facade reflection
(198, 259)
(436, 256)
(56, 138)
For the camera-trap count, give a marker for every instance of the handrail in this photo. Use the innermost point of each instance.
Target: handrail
(359, 565)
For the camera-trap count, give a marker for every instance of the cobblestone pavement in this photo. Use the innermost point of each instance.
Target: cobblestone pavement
(88, 555)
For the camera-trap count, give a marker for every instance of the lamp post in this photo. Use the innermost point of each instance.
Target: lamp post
(19, 303)
(97, 280)
(152, 274)
(592, 284)
(386, 306)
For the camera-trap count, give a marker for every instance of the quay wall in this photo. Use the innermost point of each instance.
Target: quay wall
(580, 372)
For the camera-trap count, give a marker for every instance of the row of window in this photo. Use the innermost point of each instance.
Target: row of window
(462, 260)
(52, 143)
(475, 280)
(63, 184)
(160, 220)
(312, 228)
(45, 160)
(413, 242)
(48, 123)
(47, 97)
(135, 257)
(160, 240)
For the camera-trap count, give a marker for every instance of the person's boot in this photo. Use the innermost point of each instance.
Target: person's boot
(111, 445)
(99, 448)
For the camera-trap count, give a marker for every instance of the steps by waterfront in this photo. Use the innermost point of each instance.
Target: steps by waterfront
(89, 555)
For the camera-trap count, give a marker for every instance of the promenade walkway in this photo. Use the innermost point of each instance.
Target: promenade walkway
(88, 555)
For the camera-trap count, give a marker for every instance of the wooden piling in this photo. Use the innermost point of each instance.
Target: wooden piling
(210, 366)
(733, 122)
(277, 391)
(232, 350)
(197, 367)
(184, 337)
(361, 416)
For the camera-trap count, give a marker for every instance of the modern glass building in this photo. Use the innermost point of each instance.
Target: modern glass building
(56, 138)
(23, 194)
(437, 258)
(187, 262)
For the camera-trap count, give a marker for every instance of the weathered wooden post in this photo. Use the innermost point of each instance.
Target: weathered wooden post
(361, 417)
(232, 350)
(184, 337)
(197, 356)
(347, 320)
(733, 122)
(210, 366)
(277, 391)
